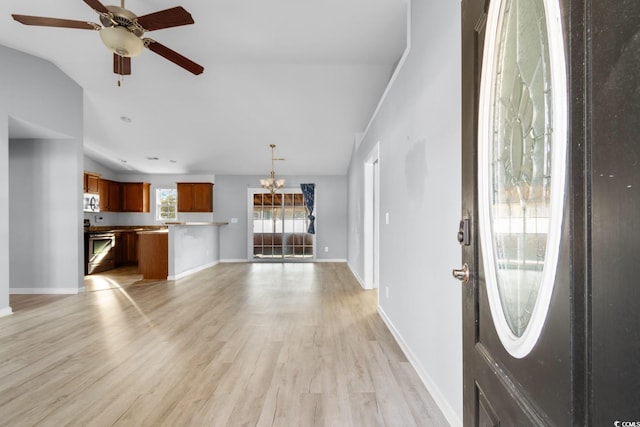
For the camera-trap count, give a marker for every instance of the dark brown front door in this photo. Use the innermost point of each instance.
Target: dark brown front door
(550, 233)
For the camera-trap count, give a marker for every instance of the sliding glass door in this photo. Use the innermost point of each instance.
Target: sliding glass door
(280, 226)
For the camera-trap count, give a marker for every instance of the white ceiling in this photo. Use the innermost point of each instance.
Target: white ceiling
(304, 75)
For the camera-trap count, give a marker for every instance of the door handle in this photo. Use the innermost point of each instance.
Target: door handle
(462, 274)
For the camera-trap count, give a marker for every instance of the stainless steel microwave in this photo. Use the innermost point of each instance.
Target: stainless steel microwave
(91, 203)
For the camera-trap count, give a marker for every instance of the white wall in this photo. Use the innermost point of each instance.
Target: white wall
(35, 92)
(4, 201)
(230, 201)
(42, 216)
(418, 130)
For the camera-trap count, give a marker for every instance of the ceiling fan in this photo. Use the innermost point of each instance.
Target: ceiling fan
(121, 32)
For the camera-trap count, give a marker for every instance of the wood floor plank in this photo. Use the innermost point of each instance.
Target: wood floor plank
(233, 345)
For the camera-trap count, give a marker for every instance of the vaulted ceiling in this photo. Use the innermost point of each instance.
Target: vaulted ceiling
(304, 75)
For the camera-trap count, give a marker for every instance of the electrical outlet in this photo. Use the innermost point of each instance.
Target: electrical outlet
(326, 248)
(386, 292)
(234, 220)
(386, 218)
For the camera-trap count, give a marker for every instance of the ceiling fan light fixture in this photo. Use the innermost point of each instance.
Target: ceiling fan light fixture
(121, 41)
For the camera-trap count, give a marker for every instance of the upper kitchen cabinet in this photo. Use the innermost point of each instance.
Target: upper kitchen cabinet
(134, 196)
(91, 183)
(195, 197)
(109, 196)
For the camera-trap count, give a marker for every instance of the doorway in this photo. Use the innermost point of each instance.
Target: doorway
(279, 225)
(549, 235)
(372, 218)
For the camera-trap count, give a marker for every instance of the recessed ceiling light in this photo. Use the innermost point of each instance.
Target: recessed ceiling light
(152, 158)
(126, 119)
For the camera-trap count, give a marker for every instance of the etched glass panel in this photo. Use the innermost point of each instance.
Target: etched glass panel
(520, 158)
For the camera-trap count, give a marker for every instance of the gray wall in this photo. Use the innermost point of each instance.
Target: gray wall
(35, 92)
(418, 129)
(230, 200)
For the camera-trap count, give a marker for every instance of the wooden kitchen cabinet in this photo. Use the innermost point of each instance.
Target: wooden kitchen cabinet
(130, 247)
(118, 249)
(134, 196)
(154, 255)
(195, 197)
(126, 250)
(91, 183)
(109, 195)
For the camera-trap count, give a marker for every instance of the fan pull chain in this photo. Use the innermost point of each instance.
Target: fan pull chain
(120, 60)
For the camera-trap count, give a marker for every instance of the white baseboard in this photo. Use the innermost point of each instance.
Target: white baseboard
(358, 278)
(193, 271)
(449, 413)
(228, 261)
(5, 311)
(45, 291)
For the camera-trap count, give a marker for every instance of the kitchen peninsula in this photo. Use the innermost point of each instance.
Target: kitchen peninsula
(190, 247)
(171, 251)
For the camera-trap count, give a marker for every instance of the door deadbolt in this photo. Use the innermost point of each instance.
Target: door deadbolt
(464, 237)
(462, 274)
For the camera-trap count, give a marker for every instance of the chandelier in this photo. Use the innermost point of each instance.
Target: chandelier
(272, 184)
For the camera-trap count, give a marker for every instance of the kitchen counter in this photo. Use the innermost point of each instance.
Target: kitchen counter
(197, 223)
(124, 228)
(161, 231)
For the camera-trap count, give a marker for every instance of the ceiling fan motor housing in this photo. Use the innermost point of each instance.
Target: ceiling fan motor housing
(122, 17)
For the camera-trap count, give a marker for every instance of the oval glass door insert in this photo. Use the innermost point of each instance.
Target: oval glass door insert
(522, 164)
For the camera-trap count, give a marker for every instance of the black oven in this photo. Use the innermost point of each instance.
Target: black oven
(100, 252)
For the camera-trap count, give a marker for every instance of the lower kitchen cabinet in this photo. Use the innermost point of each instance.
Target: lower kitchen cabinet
(126, 248)
(154, 255)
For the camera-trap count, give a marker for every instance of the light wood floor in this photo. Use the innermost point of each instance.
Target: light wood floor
(234, 345)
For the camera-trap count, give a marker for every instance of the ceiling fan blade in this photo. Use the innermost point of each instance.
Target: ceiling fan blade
(168, 18)
(121, 65)
(97, 6)
(55, 22)
(173, 56)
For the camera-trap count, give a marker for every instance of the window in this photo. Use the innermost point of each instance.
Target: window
(166, 204)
